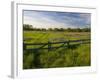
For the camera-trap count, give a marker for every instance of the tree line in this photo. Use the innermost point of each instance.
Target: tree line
(27, 27)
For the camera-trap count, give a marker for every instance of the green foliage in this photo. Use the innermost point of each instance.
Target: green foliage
(59, 58)
(75, 55)
(28, 27)
(28, 61)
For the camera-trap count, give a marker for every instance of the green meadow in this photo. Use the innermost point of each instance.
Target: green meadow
(73, 56)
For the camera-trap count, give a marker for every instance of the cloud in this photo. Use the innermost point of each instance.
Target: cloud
(48, 19)
(43, 23)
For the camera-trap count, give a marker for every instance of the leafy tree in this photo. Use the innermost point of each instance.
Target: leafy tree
(43, 29)
(27, 27)
(30, 27)
(50, 29)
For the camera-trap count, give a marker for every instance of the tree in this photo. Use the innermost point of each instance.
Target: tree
(27, 27)
(50, 29)
(86, 29)
(78, 30)
(43, 29)
(69, 29)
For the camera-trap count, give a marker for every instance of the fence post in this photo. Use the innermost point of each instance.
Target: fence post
(68, 43)
(49, 45)
(24, 46)
(36, 59)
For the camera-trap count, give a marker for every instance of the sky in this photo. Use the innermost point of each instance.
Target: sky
(53, 19)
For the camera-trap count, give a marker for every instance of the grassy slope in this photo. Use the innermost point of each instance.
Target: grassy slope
(45, 36)
(62, 57)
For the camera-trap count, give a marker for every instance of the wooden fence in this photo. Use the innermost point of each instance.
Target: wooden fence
(50, 45)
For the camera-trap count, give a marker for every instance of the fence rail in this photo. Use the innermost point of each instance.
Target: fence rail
(50, 45)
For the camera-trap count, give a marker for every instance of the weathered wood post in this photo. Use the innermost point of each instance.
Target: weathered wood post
(64, 44)
(68, 43)
(35, 56)
(24, 46)
(49, 45)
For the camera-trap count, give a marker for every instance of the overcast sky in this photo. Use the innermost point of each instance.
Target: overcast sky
(50, 19)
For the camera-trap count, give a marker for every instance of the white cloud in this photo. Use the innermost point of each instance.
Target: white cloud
(44, 22)
(55, 20)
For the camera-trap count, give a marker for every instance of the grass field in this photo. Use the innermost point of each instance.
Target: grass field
(61, 57)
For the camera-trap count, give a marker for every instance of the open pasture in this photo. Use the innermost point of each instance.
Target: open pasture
(40, 36)
(75, 55)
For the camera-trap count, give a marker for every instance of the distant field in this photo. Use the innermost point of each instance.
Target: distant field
(41, 36)
(62, 57)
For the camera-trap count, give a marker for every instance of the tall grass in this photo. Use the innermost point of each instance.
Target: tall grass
(75, 55)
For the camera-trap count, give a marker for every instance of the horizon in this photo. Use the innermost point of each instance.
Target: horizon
(59, 27)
